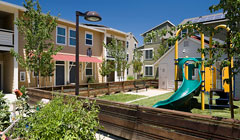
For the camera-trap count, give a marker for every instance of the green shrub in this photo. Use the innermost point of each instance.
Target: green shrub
(90, 80)
(4, 113)
(130, 78)
(70, 120)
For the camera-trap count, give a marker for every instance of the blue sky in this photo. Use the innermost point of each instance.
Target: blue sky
(136, 16)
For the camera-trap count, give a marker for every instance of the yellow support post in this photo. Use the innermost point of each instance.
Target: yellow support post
(176, 61)
(208, 79)
(186, 71)
(203, 74)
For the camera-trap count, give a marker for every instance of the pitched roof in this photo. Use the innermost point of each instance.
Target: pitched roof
(167, 21)
(130, 33)
(206, 18)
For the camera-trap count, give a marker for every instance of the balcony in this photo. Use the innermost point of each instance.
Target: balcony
(6, 38)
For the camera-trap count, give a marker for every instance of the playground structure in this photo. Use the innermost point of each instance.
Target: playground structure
(206, 81)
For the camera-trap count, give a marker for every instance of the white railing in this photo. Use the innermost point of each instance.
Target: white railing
(6, 38)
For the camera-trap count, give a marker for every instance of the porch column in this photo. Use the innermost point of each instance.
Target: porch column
(15, 63)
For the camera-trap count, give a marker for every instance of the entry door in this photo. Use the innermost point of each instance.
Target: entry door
(163, 74)
(60, 75)
(73, 74)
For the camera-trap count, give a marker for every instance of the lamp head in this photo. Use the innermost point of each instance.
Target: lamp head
(92, 16)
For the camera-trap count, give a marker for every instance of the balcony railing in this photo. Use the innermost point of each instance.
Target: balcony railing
(6, 38)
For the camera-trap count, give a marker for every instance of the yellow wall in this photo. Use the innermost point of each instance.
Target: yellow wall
(7, 70)
(97, 51)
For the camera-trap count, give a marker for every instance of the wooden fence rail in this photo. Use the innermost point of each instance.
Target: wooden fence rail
(137, 122)
(95, 89)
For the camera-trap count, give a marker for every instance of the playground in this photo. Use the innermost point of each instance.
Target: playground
(199, 93)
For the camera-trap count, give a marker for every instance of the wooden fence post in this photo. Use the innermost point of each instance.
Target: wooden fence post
(123, 86)
(108, 86)
(62, 89)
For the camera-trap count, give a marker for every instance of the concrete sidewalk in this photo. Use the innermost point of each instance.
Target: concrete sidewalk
(10, 98)
(149, 93)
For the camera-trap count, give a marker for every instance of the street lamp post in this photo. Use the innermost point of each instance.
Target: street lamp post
(90, 16)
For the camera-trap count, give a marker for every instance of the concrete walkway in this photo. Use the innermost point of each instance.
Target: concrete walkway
(149, 93)
(105, 136)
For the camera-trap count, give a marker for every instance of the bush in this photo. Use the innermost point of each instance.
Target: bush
(90, 80)
(72, 119)
(4, 113)
(130, 78)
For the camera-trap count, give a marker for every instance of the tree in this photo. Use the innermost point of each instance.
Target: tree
(116, 50)
(137, 61)
(232, 12)
(39, 47)
(105, 68)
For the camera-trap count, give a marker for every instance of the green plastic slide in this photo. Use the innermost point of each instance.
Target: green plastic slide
(185, 92)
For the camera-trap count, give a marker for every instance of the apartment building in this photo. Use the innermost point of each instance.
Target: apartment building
(131, 44)
(150, 47)
(91, 38)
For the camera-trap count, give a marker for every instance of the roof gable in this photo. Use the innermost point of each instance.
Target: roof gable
(161, 24)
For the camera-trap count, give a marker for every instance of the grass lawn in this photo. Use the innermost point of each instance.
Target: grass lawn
(197, 108)
(120, 97)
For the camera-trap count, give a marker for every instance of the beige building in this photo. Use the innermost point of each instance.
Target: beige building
(131, 44)
(13, 76)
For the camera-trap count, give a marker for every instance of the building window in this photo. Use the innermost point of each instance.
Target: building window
(89, 39)
(184, 32)
(22, 76)
(127, 44)
(89, 69)
(148, 54)
(127, 71)
(61, 35)
(148, 70)
(149, 41)
(127, 57)
(72, 38)
(135, 45)
(34, 74)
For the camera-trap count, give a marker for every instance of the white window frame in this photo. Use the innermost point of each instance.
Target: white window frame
(145, 70)
(88, 68)
(145, 53)
(24, 73)
(69, 37)
(61, 26)
(88, 39)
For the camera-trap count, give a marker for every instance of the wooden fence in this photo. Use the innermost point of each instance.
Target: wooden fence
(137, 122)
(95, 89)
